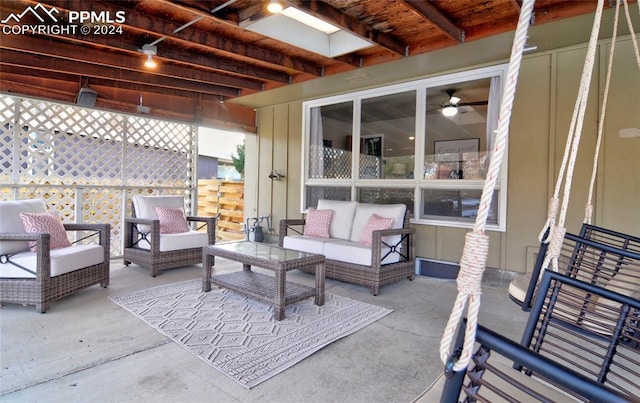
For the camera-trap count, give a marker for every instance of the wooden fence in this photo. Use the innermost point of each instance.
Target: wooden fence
(226, 199)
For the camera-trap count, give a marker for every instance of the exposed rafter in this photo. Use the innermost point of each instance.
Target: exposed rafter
(431, 12)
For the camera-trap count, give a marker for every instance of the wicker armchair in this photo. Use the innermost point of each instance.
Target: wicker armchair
(147, 247)
(38, 278)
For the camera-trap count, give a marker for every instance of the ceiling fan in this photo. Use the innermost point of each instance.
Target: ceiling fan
(451, 107)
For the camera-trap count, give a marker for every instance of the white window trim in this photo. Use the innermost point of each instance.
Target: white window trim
(420, 86)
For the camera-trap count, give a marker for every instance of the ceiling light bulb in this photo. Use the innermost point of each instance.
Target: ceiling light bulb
(274, 6)
(454, 100)
(449, 111)
(150, 51)
(150, 63)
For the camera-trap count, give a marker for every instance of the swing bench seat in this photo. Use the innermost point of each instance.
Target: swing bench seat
(573, 348)
(602, 256)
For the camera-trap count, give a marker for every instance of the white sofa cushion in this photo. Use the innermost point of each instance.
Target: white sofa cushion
(10, 222)
(304, 243)
(342, 218)
(354, 252)
(364, 211)
(184, 240)
(145, 207)
(63, 260)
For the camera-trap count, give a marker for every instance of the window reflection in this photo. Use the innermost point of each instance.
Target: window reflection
(458, 205)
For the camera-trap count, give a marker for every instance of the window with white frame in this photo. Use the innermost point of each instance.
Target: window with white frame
(425, 144)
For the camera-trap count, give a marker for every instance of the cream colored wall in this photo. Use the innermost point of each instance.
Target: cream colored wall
(544, 103)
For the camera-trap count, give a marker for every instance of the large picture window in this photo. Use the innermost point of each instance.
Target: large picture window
(426, 144)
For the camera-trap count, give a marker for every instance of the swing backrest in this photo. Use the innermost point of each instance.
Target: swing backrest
(597, 255)
(594, 359)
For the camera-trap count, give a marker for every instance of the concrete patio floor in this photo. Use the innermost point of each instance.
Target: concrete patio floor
(88, 349)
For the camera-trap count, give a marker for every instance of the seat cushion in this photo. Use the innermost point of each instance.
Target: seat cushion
(305, 243)
(356, 253)
(10, 222)
(63, 260)
(184, 240)
(342, 217)
(518, 287)
(145, 207)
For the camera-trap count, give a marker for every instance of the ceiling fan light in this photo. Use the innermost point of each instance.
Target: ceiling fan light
(450, 111)
(274, 7)
(454, 100)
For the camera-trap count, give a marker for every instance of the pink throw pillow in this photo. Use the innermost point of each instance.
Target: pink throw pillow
(172, 220)
(47, 223)
(375, 223)
(317, 223)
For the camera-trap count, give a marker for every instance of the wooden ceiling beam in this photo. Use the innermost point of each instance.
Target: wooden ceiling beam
(135, 37)
(81, 80)
(428, 10)
(48, 63)
(68, 51)
(214, 42)
(324, 11)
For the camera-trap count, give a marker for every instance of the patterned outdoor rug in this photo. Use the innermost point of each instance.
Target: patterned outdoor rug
(237, 335)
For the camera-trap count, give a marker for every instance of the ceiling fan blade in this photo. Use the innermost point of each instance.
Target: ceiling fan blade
(475, 103)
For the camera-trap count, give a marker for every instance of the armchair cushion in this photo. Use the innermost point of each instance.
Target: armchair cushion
(10, 222)
(172, 220)
(47, 223)
(318, 222)
(63, 260)
(184, 240)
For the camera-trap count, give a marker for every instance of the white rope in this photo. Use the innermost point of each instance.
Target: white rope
(557, 232)
(630, 25)
(588, 212)
(474, 255)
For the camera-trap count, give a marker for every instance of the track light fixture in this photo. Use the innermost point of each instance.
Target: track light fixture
(274, 6)
(150, 51)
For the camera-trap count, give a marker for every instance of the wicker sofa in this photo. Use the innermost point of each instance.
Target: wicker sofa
(147, 247)
(46, 275)
(390, 258)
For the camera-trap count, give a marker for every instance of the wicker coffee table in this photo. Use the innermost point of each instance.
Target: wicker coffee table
(275, 291)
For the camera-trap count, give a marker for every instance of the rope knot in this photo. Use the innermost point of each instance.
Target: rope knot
(555, 246)
(473, 263)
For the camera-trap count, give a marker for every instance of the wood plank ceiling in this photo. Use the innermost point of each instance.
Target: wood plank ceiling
(205, 58)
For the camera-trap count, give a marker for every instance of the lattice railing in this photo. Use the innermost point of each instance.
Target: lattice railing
(87, 163)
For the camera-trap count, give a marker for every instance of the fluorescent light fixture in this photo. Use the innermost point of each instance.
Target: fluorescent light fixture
(309, 20)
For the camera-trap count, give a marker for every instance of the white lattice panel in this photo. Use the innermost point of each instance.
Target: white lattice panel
(159, 153)
(7, 112)
(69, 155)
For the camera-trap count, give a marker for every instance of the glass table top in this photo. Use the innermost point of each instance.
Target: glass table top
(261, 251)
